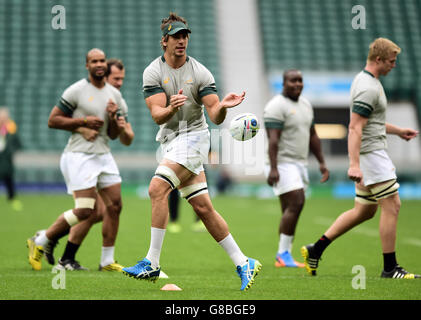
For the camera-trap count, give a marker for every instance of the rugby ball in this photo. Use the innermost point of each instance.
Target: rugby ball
(244, 126)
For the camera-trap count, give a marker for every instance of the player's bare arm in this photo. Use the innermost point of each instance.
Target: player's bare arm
(114, 129)
(87, 133)
(217, 110)
(355, 131)
(316, 149)
(60, 120)
(404, 133)
(127, 135)
(274, 135)
(157, 105)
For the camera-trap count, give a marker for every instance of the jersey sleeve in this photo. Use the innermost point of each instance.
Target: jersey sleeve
(68, 100)
(364, 101)
(206, 83)
(273, 115)
(151, 82)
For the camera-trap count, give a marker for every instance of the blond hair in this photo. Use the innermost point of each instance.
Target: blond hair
(382, 48)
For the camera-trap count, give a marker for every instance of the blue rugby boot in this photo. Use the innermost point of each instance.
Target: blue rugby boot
(247, 272)
(143, 270)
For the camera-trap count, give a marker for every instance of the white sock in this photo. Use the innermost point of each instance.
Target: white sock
(233, 250)
(157, 238)
(285, 243)
(107, 256)
(42, 239)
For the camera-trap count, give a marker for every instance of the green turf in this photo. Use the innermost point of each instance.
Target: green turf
(196, 263)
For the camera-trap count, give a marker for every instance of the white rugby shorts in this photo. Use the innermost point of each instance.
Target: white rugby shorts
(86, 170)
(189, 149)
(376, 167)
(292, 176)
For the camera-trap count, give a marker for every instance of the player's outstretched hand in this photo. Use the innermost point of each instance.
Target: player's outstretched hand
(233, 99)
(408, 134)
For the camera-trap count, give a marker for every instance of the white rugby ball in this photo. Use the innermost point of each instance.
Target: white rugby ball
(244, 126)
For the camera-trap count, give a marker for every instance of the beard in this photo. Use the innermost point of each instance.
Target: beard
(95, 76)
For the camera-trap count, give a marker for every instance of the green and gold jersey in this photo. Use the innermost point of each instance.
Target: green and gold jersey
(196, 82)
(83, 99)
(369, 100)
(295, 119)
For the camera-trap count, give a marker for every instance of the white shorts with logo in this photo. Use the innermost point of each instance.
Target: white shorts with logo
(189, 149)
(292, 176)
(86, 170)
(376, 167)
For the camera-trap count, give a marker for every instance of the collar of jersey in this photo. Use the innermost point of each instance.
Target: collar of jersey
(163, 59)
(368, 72)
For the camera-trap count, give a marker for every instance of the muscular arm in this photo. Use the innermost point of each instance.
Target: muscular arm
(60, 120)
(217, 110)
(127, 135)
(273, 139)
(355, 127)
(158, 108)
(316, 149)
(404, 133)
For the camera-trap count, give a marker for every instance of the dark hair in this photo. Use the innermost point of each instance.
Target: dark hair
(114, 62)
(166, 21)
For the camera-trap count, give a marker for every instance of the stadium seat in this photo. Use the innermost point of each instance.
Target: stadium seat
(318, 36)
(129, 31)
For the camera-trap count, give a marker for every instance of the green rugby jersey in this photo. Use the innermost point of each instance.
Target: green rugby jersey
(83, 99)
(196, 82)
(369, 100)
(295, 119)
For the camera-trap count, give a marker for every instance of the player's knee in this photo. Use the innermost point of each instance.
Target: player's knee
(296, 208)
(83, 213)
(84, 208)
(202, 210)
(156, 191)
(115, 207)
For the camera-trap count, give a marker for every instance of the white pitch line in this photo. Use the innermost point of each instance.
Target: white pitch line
(324, 221)
(412, 241)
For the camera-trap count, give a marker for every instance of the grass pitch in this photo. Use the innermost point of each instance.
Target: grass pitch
(197, 264)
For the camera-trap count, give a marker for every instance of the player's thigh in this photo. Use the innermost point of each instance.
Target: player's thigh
(387, 194)
(365, 204)
(111, 194)
(85, 193)
(85, 201)
(293, 200)
(195, 191)
(182, 173)
(168, 176)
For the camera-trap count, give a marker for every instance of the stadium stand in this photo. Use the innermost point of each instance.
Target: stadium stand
(38, 62)
(318, 35)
